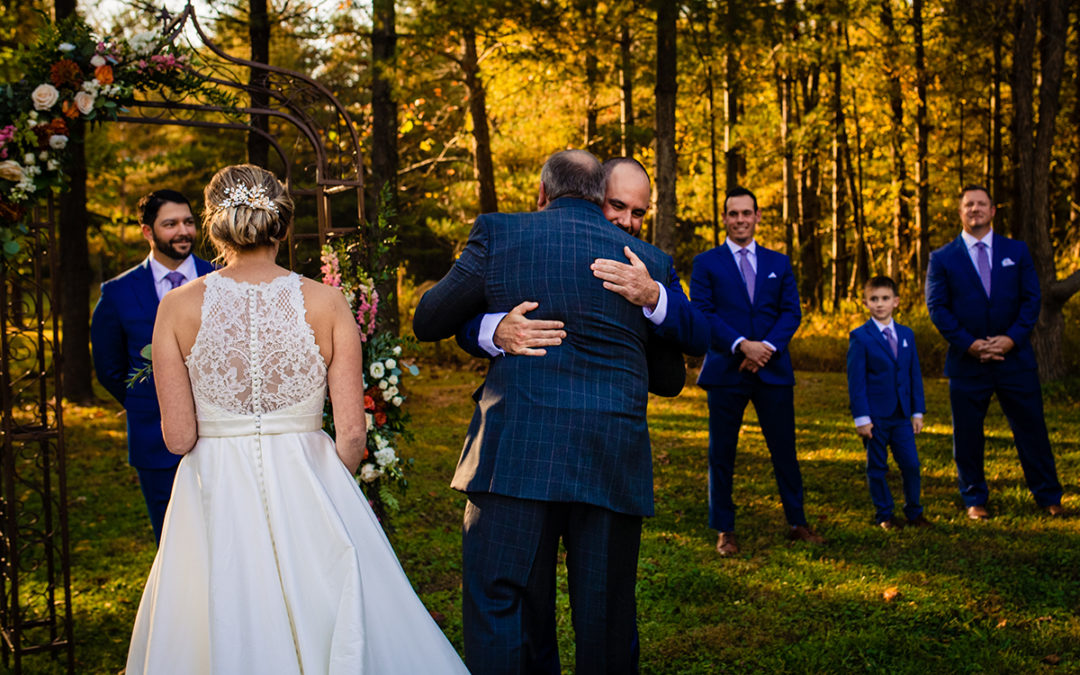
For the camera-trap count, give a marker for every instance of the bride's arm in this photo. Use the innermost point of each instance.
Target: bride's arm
(178, 424)
(345, 378)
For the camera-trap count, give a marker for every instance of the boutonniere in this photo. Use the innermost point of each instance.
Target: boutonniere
(1007, 262)
(772, 275)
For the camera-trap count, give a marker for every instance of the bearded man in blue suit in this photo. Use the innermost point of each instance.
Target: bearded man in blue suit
(558, 448)
(983, 295)
(749, 296)
(123, 324)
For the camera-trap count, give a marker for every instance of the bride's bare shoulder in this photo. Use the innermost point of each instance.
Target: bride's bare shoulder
(322, 299)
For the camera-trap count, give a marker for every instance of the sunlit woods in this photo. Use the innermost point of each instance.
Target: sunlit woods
(855, 121)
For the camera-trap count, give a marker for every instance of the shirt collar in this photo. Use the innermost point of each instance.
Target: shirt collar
(882, 326)
(187, 268)
(970, 241)
(735, 248)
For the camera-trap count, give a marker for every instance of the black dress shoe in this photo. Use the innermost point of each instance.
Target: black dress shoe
(892, 523)
(919, 521)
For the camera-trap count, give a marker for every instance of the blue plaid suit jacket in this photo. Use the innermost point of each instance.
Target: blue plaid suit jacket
(569, 426)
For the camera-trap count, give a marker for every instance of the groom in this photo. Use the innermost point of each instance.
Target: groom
(558, 447)
(123, 323)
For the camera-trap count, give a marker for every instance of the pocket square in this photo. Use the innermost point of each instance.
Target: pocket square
(772, 275)
(905, 342)
(1007, 262)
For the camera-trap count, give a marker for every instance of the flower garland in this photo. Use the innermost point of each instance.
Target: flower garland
(70, 78)
(387, 421)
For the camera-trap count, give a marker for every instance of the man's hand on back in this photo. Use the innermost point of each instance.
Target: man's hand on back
(632, 281)
(522, 336)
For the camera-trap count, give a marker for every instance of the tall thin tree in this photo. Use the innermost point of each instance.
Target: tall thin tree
(664, 235)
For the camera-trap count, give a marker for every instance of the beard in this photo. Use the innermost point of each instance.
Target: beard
(168, 246)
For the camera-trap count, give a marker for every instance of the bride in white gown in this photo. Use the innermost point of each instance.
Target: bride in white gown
(271, 560)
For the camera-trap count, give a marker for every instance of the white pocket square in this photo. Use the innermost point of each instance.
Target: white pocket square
(772, 275)
(905, 342)
(1007, 262)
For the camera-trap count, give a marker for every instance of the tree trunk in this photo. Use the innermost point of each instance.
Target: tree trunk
(791, 191)
(1034, 143)
(810, 262)
(483, 166)
(854, 173)
(731, 97)
(384, 150)
(258, 146)
(901, 216)
(1003, 218)
(587, 8)
(626, 91)
(922, 132)
(664, 235)
(839, 215)
(74, 300)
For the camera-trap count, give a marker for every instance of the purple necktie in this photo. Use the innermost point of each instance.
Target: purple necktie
(175, 278)
(890, 337)
(747, 272)
(982, 261)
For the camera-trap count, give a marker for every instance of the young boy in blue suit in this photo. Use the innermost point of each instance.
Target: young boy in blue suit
(886, 392)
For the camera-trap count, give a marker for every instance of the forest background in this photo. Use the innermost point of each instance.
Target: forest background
(856, 122)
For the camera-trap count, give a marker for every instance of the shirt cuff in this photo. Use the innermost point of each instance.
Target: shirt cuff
(658, 315)
(486, 337)
(862, 421)
(735, 345)
(919, 415)
(769, 345)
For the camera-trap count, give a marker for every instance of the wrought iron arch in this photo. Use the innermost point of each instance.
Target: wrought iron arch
(323, 162)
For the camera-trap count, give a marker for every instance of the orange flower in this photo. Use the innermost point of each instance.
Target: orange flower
(380, 418)
(103, 74)
(65, 72)
(70, 109)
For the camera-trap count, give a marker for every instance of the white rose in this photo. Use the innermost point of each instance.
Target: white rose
(66, 47)
(97, 60)
(397, 401)
(53, 165)
(58, 141)
(377, 370)
(28, 158)
(393, 379)
(397, 350)
(10, 170)
(84, 101)
(44, 96)
(383, 385)
(390, 364)
(381, 442)
(385, 457)
(369, 419)
(368, 473)
(43, 155)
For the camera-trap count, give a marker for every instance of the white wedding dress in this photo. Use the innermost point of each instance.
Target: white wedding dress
(271, 560)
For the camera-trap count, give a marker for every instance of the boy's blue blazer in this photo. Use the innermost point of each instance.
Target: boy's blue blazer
(879, 382)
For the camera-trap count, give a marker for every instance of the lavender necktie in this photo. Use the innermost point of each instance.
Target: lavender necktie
(982, 261)
(175, 278)
(747, 271)
(890, 337)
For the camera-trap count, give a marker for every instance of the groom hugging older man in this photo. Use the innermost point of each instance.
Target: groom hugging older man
(558, 447)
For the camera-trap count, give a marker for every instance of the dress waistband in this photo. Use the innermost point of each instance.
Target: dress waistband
(260, 424)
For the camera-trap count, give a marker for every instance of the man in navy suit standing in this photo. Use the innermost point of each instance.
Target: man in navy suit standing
(558, 447)
(983, 295)
(122, 325)
(748, 294)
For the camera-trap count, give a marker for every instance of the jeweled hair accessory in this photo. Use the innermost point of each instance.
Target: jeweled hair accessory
(254, 197)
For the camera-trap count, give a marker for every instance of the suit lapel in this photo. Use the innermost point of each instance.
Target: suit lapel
(878, 337)
(964, 261)
(996, 267)
(759, 275)
(145, 291)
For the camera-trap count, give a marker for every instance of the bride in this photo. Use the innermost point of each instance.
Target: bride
(271, 560)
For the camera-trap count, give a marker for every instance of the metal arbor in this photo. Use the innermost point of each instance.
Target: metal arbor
(318, 148)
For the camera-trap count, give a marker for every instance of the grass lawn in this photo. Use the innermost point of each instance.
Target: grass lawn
(995, 597)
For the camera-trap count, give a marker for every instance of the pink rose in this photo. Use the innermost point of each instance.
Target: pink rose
(44, 96)
(85, 102)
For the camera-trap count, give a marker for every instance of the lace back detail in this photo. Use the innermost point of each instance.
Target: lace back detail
(255, 353)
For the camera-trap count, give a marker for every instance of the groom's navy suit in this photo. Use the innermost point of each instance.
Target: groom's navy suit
(122, 324)
(558, 445)
(719, 291)
(962, 313)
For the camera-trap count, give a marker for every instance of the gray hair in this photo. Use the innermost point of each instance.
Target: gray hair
(574, 173)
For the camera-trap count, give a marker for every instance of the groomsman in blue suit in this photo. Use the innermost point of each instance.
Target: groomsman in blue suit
(748, 294)
(983, 295)
(123, 323)
(886, 392)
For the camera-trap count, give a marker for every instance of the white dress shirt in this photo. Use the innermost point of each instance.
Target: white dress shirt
(865, 419)
(973, 252)
(161, 284)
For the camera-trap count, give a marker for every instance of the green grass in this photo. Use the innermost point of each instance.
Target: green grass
(995, 597)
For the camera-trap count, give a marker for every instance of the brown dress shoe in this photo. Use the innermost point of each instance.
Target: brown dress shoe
(919, 521)
(1056, 510)
(978, 513)
(726, 545)
(804, 533)
(893, 523)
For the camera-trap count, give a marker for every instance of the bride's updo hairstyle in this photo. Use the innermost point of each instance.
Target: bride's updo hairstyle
(246, 207)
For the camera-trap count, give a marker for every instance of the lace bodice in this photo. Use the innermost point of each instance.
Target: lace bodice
(255, 353)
